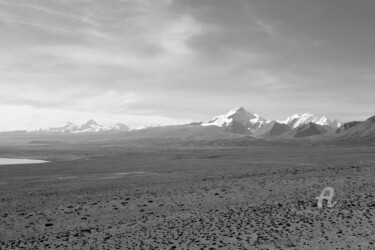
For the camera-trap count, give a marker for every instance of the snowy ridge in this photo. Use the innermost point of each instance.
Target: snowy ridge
(240, 115)
(238, 120)
(296, 120)
(144, 127)
(88, 126)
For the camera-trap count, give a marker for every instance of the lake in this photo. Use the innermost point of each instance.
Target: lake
(11, 161)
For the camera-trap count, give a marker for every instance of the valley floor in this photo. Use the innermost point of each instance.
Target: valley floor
(106, 197)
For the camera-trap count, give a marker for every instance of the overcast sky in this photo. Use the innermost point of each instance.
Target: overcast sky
(175, 61)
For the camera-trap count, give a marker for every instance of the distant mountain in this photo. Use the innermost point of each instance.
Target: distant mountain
(192, 132)
(238, 121)
(243, 122)
(88, 126)
(306, 130)
(145, 127)
(238, 124)
(118, 127)
(296, 120)
(371, 120)
(357, 132)
(244, 127)
(347, 126)
(272, 129)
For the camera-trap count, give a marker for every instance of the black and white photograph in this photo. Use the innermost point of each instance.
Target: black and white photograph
(187, 124)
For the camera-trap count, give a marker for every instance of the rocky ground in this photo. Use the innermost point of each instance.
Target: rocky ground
(261, 198)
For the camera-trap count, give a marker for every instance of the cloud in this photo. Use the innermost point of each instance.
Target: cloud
(175, 37)
(180, 60)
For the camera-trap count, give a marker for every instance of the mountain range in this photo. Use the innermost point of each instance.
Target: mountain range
(296, 120)
(237, 124)
(88, 126)
(357, 131)
(237, 121)
(243, 122)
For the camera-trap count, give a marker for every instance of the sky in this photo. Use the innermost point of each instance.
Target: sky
(161, 62)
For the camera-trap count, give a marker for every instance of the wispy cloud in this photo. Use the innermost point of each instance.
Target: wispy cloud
(176, 60)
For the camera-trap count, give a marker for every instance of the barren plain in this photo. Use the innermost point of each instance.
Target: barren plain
(117, 197)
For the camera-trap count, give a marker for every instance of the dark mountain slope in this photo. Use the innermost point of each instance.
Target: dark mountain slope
(272, 129)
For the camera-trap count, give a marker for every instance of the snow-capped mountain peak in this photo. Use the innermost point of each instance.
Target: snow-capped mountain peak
(239, 115)
(305, 119)
(90, 122)
(119, 127)
(259, 121)
(290, 119)
(324, 121)
(296, 120)
(88, 126)
(238, 120)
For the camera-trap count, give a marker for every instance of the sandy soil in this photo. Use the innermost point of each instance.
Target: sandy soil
(208, 198)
